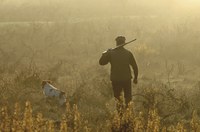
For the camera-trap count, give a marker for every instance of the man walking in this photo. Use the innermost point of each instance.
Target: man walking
(121, 59)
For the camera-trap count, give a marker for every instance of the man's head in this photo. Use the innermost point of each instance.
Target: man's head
(120, 40)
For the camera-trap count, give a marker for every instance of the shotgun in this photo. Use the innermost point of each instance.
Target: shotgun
(120, 45)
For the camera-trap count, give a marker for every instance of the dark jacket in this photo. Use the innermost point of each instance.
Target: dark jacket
(120, 59)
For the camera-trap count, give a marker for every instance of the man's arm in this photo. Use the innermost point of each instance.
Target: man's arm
(105, 58)
(134, 66)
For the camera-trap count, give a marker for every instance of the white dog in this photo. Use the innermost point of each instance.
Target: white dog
(52, 92)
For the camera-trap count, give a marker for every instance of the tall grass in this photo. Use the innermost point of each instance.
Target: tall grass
(67, 53)
(122, 120)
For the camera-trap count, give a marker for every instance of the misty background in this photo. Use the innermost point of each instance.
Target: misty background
(62, 40)
(62, 10)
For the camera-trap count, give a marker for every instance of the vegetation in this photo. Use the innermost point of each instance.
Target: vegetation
(123, 120)
(66, 51)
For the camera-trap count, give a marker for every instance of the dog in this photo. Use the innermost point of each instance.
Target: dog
(52, 92)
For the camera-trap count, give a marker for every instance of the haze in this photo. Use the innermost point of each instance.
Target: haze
(63, 40)
(14, 10)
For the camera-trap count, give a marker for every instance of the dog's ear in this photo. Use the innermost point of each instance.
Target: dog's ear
(49, 81)
(45, 82)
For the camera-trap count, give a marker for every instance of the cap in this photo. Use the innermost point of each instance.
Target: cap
(120, 40)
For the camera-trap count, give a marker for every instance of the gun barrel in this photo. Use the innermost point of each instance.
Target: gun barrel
(120, 45)
(124, 44)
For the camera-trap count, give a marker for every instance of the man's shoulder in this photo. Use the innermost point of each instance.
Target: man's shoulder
(121, 51)
(128, 51)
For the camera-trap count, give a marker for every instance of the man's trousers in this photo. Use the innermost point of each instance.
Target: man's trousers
(125, 86)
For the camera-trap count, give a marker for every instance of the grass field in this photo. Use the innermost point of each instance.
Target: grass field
(67, 53)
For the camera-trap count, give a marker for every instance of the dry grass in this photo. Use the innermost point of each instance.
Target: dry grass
(26, 121)
(68, 53)
(122, 120)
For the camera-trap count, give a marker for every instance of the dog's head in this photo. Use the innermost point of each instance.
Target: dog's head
(44, 82)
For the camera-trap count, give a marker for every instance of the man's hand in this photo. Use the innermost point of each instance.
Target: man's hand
(135, 81)
(106, 51)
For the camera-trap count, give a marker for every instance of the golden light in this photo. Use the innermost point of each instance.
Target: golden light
(189, 3)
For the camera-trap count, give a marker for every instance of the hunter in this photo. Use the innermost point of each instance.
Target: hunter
(121, 59)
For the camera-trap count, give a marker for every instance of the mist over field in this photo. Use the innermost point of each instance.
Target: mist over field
(51, 10)
(62, 41)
